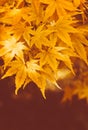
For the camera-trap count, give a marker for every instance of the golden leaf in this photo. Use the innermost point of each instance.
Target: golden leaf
(63, 28)
(40, 37)
(36, 5)
(59, 6)
(12, 16)
(11, 48)
(20, 77)
(80, 49)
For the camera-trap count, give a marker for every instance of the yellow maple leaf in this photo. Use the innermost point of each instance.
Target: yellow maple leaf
(61, 7)
(33, 12)
(78, 41)
(63, 28)
(20, 77)
(17, 68)
(14, 66)
(12, 47)
(33, 70)
(39, 37)
(66, 59)
(36, 5)
(50, 77)
(21, 30)
(50, 57)
(12, 16)
(18, 30)
(53, 56)
(5, 32)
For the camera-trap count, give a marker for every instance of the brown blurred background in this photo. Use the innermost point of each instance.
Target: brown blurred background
(29, 111)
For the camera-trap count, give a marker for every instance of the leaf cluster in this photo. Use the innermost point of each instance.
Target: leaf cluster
(39, 37)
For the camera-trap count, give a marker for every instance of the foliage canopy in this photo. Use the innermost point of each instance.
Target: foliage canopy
(40, 37)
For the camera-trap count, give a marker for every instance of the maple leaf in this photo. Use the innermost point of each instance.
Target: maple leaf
(17, 68)
(40, 37)
(66, 59)
(12, 16)
(36, 5)
(21, 30)
(26, 13)
(40, 76)
(14, 66)
(20, 77)
(26, 34)
(78, 41)
(5, 32)
(32, 13)
(18, 30)
(50, 57)
(63, 28)
(33, 70)
(57, 5)
(10, 48)
(50, 77)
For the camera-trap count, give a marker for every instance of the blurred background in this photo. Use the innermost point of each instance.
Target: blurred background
(29, 111)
